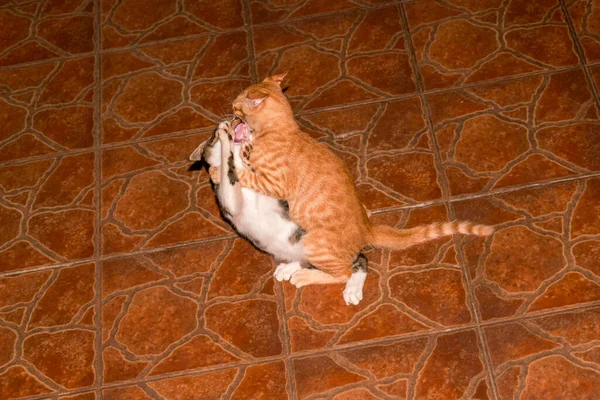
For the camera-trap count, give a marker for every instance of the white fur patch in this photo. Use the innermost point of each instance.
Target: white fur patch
(354, 287)
(284, 272)
(253, 214)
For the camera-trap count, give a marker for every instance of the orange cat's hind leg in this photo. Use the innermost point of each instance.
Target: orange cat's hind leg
(305, 277)
(330, 264)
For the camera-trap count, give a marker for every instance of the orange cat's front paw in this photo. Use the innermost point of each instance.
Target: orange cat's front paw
(246, 150)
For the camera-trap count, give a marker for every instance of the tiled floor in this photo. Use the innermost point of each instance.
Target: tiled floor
(120, 280)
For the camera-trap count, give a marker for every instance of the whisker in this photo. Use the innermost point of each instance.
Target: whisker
(226, 116)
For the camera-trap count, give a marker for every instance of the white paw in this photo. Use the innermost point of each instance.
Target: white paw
(284, 272)
(225, 131)
(354, 288)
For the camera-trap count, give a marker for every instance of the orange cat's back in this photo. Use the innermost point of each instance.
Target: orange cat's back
(288, 164)
(324, 193)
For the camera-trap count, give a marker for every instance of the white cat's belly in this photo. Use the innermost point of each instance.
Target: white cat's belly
(262, 220)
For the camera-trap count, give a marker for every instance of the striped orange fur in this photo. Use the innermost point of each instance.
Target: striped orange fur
(288, 164)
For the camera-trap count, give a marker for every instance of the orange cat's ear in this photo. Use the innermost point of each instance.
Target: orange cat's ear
(276, 78)
(256, 97)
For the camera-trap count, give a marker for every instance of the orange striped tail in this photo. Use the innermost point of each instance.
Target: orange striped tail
(397, 239)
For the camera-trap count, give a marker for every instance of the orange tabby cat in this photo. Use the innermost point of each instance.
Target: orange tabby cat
(286, 163)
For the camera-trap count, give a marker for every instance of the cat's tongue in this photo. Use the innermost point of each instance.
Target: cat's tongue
(242, 133)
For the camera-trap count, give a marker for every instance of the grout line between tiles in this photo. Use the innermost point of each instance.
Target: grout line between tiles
(248, 25)
(541, 314)
(473, 196)
(430, 92)
(250, 39)
(580, 53)
(451, 200)
(421, 96)
(326, 15)
(325, 351)
(98, 361)
(474, 307)
(289, 367)
(286, 357)
(487, 360)
(115, 256)
(47, 61)
(441, 177)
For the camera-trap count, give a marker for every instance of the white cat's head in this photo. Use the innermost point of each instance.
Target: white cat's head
(209, 150)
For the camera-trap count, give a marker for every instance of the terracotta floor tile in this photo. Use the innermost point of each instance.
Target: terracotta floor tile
(444, 366)
(558, 221)
(595, 70)
(523, 131)
(349, 57)
(48, 211)
(407, 292)
(585, 15)
(174, 306)
(261, 381)
(552, 356)
(132, 22)
(153, 326)
(172, 88)
(126, 393)
(45, 313)
(269, 11)
(42, 30)
(184, 208)
(387, 148)
(47, 108)
(460, 41)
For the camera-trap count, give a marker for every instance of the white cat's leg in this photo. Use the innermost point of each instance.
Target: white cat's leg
(284, 272)
(354, 287)
(230, 190)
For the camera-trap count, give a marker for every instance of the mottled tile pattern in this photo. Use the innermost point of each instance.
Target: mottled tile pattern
(350, 57)
(47, 108)
(171, 88)
(120, 280)
(527, 130)
(41, 30)
(182, 208)
(497, 39)
(48, 211)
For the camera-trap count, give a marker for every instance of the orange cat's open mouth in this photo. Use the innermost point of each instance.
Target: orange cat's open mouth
(242, 131)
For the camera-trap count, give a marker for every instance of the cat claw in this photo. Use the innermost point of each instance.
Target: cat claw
(284, 272)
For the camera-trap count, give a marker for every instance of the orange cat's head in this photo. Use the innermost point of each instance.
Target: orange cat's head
(263, 103)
